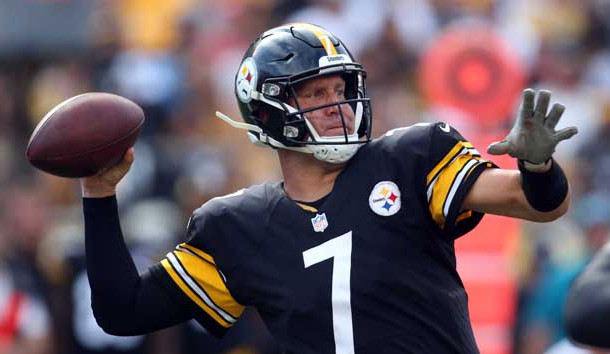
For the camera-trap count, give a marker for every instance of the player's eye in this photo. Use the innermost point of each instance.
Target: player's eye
(307, 95)
(315, 94)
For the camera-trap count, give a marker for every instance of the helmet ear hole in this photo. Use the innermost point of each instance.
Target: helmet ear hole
(289, 128)
(262, 115)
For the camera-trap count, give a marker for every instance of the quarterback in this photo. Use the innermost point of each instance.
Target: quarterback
(353, 251)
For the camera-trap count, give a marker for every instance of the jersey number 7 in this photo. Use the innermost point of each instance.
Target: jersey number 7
(340, 250)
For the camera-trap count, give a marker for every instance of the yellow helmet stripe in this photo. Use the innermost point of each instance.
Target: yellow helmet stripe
(322, 36)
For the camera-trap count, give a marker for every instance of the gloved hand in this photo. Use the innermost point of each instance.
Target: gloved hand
(533, 137)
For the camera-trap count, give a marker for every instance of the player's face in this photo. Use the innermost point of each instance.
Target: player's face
(324, 90)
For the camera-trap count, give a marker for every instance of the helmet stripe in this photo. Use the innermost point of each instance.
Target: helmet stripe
(322, 36)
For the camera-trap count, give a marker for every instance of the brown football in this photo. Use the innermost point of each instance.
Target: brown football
(85, 134)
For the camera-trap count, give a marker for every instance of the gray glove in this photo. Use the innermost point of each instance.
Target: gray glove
(534, 138)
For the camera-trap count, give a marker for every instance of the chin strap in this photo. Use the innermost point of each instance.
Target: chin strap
(262, 139)
(240, 125)
(328, 152)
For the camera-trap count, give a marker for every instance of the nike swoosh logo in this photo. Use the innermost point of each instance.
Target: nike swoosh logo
(445, 127)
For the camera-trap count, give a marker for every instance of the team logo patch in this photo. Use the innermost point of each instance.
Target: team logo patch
(319, 222)
(246, 80)
(385, 198)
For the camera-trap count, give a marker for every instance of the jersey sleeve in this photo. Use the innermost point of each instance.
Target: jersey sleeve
(453, 165)
(192, 275)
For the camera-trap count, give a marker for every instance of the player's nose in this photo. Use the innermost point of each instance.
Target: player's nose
(332, 109)
(332, 100)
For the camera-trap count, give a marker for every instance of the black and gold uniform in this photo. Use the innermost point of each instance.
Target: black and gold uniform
(370, 270)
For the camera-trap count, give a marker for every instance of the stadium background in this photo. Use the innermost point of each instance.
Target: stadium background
(460, 61)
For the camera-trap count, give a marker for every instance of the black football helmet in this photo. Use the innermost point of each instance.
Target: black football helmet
(276, 62)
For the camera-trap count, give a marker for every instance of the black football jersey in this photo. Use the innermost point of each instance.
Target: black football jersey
(372, 270)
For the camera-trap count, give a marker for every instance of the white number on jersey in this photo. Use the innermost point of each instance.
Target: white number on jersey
(339, 249)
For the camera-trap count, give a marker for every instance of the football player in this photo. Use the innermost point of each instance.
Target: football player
(353, 252)
(588, 303)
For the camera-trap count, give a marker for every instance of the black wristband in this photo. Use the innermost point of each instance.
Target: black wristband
(544, 191)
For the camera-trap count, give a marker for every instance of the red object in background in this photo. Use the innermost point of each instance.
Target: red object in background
(473, 69)
(9, 320)
(484, 258)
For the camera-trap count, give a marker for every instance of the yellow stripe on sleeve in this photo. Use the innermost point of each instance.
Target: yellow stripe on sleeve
(201, 281)
(464, 215)
(447, 159)
(198, 252)
(182, 285)
(446, 185)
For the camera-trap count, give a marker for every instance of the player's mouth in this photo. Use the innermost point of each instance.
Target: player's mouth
(338, 131)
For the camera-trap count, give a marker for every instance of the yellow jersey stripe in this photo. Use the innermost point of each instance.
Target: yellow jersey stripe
(446, 185)
(187, 280)
(207, 277)
(198, 252)
(203, 284)
(459, 179)
(447, 159)
(322, 36)
(464, 215)
(191, 294)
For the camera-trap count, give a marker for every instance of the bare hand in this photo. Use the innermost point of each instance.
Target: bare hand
(104, 183)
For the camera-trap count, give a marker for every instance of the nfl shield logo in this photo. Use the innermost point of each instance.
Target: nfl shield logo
(319, 222)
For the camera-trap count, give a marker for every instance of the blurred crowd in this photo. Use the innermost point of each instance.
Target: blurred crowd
(460, 61)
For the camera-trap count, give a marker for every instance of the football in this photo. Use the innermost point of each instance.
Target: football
(85, 134)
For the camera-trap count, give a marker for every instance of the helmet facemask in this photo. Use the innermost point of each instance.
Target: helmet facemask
(298, 131)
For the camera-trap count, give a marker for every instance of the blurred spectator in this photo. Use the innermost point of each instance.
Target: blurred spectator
(357, 22)
(559, 69)
(153, 80)
(151, 25)
(594, 159)
(24, 320)
(28, 217)
(55, 83)
(416, 22)
(24, 326)
(389, 65)
(7, 117)
(77, 331)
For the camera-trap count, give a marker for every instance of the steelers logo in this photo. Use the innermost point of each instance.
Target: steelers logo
(245, 81)
(385, 198)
